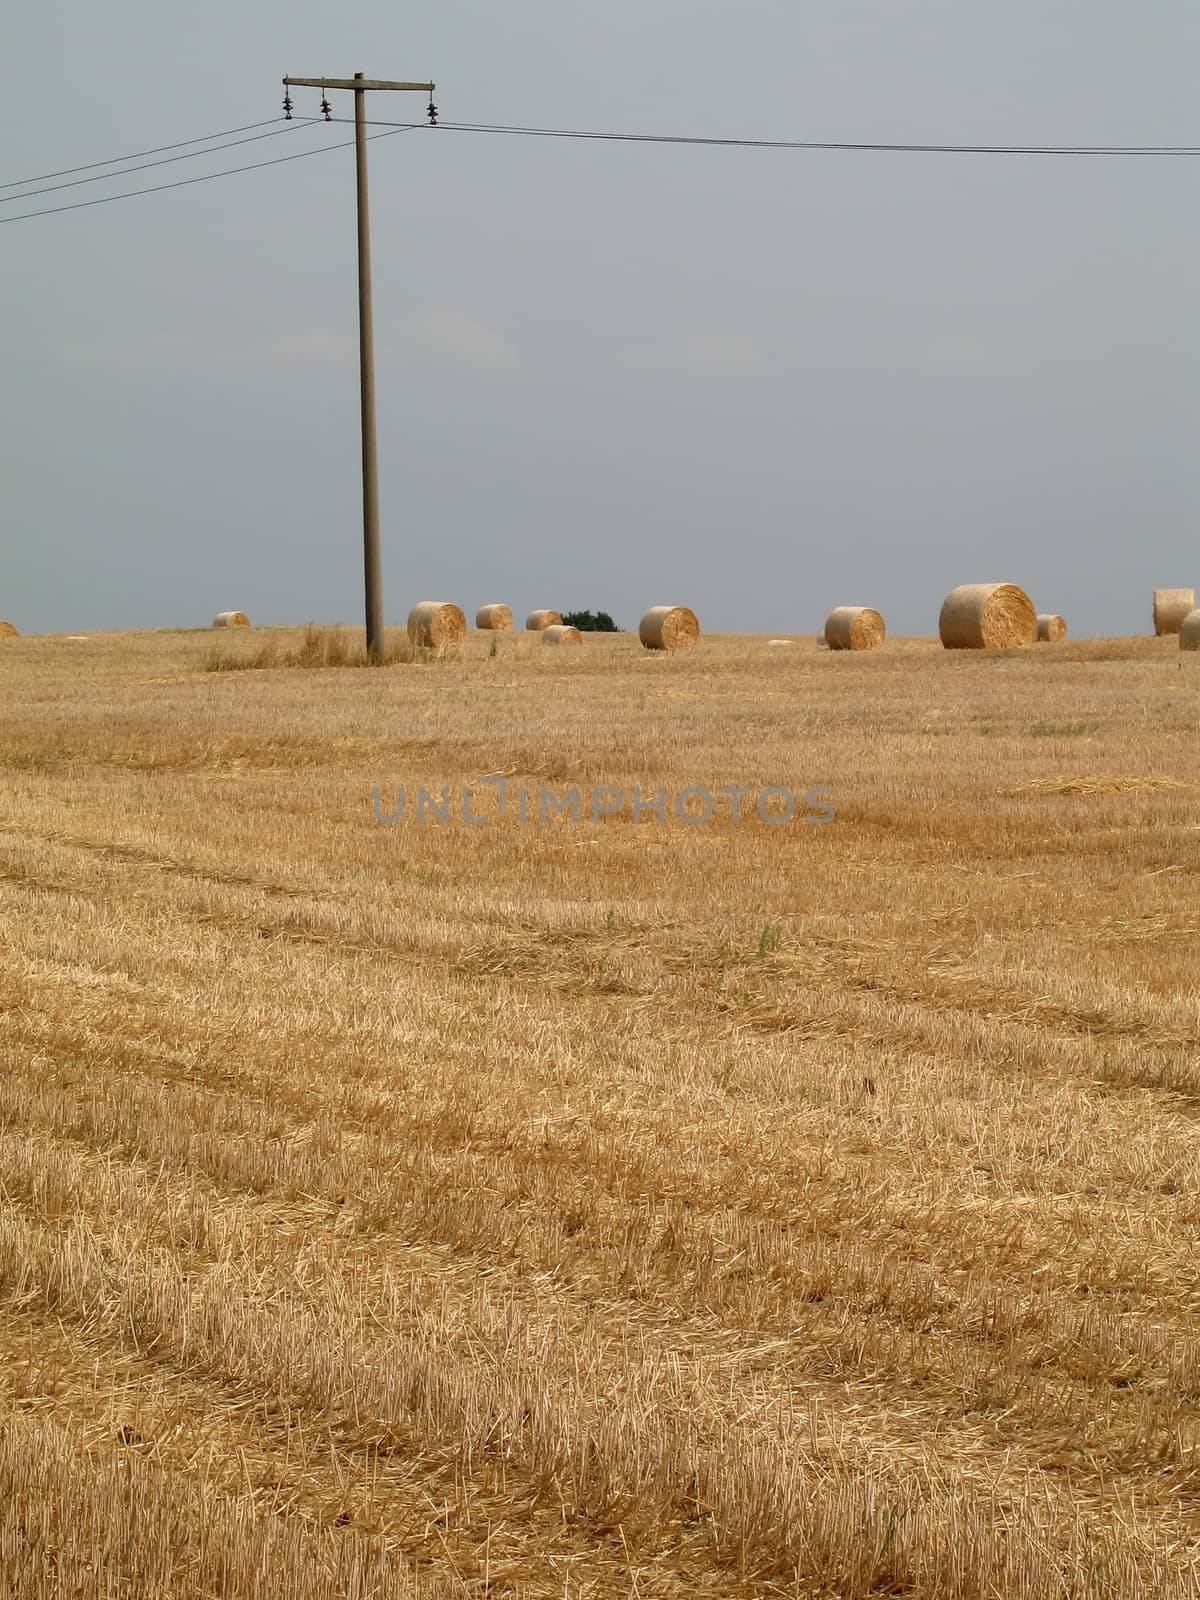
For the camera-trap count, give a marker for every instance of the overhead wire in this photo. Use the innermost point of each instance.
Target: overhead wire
(136, 155)
(204, 177)
(165, 161)
(390, 128)
(803, 144)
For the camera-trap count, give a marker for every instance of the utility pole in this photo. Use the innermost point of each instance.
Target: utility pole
(372, 558)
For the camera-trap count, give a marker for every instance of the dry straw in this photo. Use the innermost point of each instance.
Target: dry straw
(496, 617)
(1171, 606)
(536, 621)
(561, 633)
(1189, 631)
(854, 628)
(8, 631)
(987, 616)
(669, 628)
(231, 619)
(437, 625)
(1051, 626)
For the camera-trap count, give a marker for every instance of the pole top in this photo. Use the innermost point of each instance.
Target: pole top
(357, 82)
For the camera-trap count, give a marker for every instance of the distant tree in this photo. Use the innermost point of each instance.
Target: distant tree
(590, 621)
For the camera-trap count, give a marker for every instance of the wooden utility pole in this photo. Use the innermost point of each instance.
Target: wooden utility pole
(372, 558)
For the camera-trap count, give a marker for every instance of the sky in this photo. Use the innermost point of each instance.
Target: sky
(611, 375)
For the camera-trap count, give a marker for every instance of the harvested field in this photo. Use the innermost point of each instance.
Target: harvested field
(612, 1208)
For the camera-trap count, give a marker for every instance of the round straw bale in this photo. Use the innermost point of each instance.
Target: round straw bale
(537, 620)
(497, 617)
(669, 628)
(854, 628)
(437, 625)
(8, 631)
(1051, 626)
(1189, 631)
(231, 619)
(561, 633)
(987, 616)
(1171, 606)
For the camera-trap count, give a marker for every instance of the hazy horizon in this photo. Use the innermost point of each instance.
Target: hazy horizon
(758, 382)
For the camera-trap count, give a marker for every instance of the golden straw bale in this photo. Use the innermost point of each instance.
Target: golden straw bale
(231, 619)
(437, 625)
(537, 620)
(1171, 606)
(1051, 626)
(561, 633)
(496, 617)
(987, 616)
(854, 628)
(669, 628)
(9, 631)
(1189, 631)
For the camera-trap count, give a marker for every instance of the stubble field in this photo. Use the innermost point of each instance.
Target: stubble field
(617, 1209)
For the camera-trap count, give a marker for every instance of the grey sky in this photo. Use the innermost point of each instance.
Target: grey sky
(758, 382)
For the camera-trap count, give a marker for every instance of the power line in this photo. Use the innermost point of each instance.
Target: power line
(188, 155)
(206, 177)
(811, 144)
(556, 133)
(224, 133)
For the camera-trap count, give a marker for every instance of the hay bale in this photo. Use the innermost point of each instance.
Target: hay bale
(854, 628)
(9, 631)
(437, 625)
(987, 616)
(1050, 627)
(1171, 606)
(669, 628)
(496, 617)
(537, 620)
(231, 619)
(561, 633)
(1189, 631)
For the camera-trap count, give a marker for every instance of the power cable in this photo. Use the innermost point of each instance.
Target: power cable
(188, 155)
(804, 144)
(583, 133)
(206, 177)
(224, 133)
